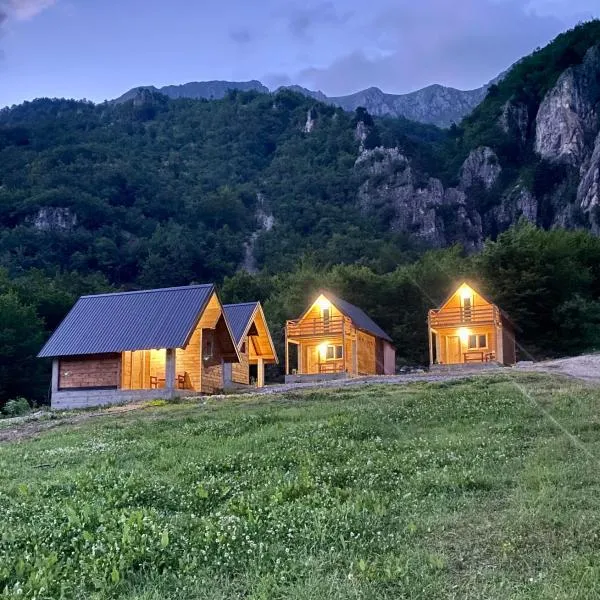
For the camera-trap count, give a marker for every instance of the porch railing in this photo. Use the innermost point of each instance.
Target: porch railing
(316, 327)
(331, 367)
(455, 317)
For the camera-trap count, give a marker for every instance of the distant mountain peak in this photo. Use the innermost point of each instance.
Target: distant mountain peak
(434, 104)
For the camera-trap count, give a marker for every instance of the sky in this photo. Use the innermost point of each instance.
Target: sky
(98, 49)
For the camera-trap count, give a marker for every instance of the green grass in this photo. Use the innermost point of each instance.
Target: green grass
(457, 490)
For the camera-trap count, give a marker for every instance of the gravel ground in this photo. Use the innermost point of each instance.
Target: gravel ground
(585, 367)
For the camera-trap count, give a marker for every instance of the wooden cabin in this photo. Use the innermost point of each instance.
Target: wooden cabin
(468, 328)
(114, 348)
(333, 339)
(254, 343)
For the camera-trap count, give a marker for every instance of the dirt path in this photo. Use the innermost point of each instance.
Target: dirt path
(585, 367)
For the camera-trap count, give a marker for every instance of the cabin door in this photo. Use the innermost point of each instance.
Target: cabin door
(453, 350)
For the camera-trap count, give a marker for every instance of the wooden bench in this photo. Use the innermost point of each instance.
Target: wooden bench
(474, 356)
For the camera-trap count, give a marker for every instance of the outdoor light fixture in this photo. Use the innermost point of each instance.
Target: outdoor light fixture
(323, 303)
(466, 292)
(464, 334)
(322, 348)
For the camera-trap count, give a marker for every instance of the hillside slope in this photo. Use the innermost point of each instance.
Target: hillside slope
(381, 492)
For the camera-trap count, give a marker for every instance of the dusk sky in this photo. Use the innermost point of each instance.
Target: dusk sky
(98, 49)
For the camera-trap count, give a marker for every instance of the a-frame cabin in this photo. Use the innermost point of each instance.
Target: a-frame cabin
(468, 328)
(334, 338)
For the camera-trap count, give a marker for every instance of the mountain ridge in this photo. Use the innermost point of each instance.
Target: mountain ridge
(435, 104)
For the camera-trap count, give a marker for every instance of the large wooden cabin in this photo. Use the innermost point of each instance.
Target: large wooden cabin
(254, 343)
(334, 338)
(114, 348)
(468, 328)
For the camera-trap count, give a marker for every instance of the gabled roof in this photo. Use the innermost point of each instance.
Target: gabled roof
(360, 319)
(145, 320)
(470, 285)
(240, 317)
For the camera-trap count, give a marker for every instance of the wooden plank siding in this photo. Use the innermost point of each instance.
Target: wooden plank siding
(367, 353)
(90, 372)
(240, 372)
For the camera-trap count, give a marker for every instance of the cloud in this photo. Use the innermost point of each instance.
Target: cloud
(302, 20)
(407, 45)
(241, 36)
(23, 10)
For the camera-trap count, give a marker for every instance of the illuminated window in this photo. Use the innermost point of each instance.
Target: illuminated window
(467, 305)
(478, 341)
(334, 352)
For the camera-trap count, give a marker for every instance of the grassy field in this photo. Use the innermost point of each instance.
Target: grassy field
(458, 490)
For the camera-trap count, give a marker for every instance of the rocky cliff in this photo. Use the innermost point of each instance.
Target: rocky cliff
(542, 164)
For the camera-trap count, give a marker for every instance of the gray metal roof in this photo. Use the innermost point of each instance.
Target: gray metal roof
(239, 316)
(106, 323)
(360, 319)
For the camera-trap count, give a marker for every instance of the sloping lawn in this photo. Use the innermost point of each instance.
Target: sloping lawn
(458, 490)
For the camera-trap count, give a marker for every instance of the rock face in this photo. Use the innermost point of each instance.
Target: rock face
(516, 203)
(568, 115)
(435, 104)
(481, 165)
(266, 222)
(310, 121)
(514, 120)
(423, 208)
(588, 193)
(54, 219)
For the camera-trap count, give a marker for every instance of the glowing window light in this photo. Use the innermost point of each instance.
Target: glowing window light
(466, 292)
(322, 349)
(463, 334)
(323, 303)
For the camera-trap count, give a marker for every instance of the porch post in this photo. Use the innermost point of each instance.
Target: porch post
(287, 352)
(430, 347)
(300, 365)
(170, 371)
(55, 366)
(344, 344)
(261, 373)
(498, 332)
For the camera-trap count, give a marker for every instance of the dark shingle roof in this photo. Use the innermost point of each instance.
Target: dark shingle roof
(144, 320)
(360, 319)
(239, 316)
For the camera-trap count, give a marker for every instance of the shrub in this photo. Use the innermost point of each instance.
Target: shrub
(16, 408)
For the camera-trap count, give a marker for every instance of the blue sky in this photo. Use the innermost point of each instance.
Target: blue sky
(98, 49)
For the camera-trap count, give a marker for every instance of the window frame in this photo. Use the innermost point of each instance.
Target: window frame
(478, 337)
(334, 355)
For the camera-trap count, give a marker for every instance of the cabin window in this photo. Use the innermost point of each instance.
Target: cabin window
(208, 349)
(477, 342)
(334, 353)
(467, 305)
(326, 316)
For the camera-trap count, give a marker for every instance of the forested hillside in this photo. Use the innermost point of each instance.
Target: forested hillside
(274, 196)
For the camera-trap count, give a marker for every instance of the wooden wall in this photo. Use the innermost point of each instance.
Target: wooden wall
(367, 353)
(508, 346)
(188, 360)
(101, 371)
(240, 372)
(212, 379)
(316, 313)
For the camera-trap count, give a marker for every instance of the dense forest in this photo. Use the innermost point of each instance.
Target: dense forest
(258, 194)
